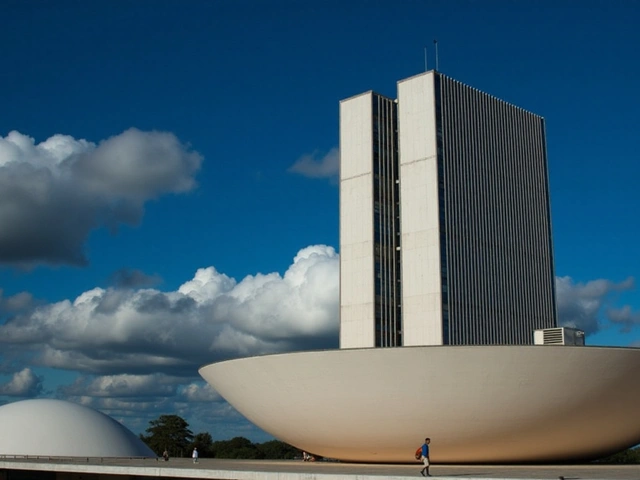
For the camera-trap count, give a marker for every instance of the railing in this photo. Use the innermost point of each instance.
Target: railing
(73, 459)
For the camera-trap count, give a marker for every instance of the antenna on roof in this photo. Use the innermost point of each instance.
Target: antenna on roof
(425, 59)
(435, 42)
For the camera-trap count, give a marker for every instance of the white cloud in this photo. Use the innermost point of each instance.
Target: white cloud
(133, 278)
(584, 305)
(17, 302)
(624, 317)
(312, 166)
(210, 317)
(207, 285)
(200, 393)
(24, 383)
(123, 386)
(52, 194)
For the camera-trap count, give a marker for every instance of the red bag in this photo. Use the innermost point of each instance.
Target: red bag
(419, 453)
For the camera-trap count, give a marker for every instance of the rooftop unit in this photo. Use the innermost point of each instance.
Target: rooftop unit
(558, 336)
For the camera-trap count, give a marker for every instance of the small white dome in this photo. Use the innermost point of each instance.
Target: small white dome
(57, 428)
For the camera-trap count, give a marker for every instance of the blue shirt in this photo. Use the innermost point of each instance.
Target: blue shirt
(425, 450)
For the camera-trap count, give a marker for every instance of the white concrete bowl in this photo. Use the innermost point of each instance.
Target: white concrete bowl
(485, 404)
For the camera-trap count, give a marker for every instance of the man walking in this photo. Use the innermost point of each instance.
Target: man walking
(195, 455)
(425, 457)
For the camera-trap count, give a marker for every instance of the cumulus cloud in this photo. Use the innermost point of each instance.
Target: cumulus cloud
(117, 331)
(198, 404)
(587, 306)
(52, 194)
(24, 383)
(624, 317)
(202, 393)
(313, 165)
(128, 278)
(13, 303)
(123, 386)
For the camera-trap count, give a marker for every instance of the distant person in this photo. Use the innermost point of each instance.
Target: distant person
(425, 457)
(305, 456)
(165, 455)
(194, 455)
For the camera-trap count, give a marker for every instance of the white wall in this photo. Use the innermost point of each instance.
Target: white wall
(479, 404)
(421, 284)
(356, 223)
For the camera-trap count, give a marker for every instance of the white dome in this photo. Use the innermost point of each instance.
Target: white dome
(56, 428)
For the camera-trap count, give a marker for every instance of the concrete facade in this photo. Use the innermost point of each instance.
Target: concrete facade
(356, 221)
(369, 222)
(422, 304)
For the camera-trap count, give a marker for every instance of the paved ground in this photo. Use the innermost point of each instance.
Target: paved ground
(573, 472)
(251, 469)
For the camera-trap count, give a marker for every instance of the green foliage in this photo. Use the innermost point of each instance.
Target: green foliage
(275, 450)
(169, 432)
(629, 456)
(172, 432)
(238, 447)
(204, 443)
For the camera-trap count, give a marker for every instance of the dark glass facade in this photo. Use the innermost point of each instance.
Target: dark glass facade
(495, 231)
(386, 221)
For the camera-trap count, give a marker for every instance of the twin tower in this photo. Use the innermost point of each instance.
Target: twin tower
(445, 231)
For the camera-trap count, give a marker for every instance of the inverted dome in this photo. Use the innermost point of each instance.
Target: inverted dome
(479, 404)
(57, 428)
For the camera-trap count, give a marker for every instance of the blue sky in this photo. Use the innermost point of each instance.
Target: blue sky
(168, 169)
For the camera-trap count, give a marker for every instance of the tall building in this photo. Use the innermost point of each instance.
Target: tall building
(445, 232)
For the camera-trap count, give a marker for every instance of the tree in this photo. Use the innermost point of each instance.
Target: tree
(632, 455)
(238, 447)
(169, 432)
(204, 443)
(275, 450)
